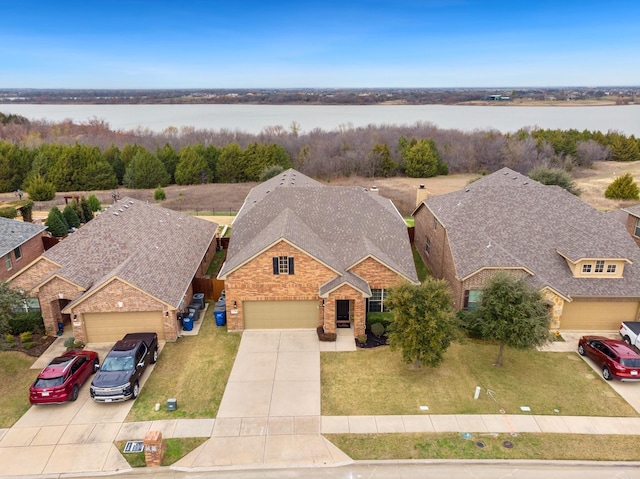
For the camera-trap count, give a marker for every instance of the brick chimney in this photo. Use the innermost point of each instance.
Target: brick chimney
(422, 194)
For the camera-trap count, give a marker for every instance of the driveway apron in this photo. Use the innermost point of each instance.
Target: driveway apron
(269, 415)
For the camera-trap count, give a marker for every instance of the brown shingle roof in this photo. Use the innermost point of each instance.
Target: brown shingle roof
(153, 248)
(339, 226)
(508, 220)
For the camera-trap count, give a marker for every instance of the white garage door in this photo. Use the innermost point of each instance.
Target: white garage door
(597, 315)
(106, 327)
(280, 314)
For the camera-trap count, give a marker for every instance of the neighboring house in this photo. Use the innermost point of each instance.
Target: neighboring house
(20, 244)
(582, 260)
(303, 254)
(129, 269)
(633, 222)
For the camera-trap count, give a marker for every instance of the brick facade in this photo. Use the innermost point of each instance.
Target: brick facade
(631, 227)
(51, 295)
(30, 250)
(28, 279)
(255, 281)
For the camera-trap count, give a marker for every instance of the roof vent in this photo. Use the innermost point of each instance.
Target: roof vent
(467, 190)
(120, 210)
(506, 173)
(268, 191)
(126, 206)
(115, 213)
(130, 202)
(525, 183)
(515, 178)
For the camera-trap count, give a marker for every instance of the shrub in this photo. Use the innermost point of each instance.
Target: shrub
(470, 323)
(56, 223)
(71, 343)
(8, 212)
(28, 344)
(377, 329)
(623, 188)
(94, 203)
(159, 194)
(26, 337)
(383, 318)
(362, 339)
(270, 171)
(71, 216)
(554, 176)
(10, 339)
(23, 322)
(326, 337)
(40, 189)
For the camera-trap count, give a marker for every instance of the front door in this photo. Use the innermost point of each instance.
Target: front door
(342, 312)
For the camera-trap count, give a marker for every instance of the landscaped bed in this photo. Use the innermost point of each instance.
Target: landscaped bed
(194, 370)
(377, 382)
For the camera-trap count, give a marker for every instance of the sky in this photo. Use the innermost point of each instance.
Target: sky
(160, 44)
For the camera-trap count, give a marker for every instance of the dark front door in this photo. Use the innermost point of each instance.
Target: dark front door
(342, 310)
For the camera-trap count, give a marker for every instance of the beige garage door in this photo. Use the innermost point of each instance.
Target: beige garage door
(280, 314)
(594, 315)
(105, 327)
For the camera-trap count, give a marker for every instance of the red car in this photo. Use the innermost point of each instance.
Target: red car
(61, 380)
(617, 359)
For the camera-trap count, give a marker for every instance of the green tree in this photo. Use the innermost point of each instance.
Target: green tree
(10, 299)
(554, 176)
(424, 323)
(192, 168)
(230, 167)
(624, 149)
(169, 158)
(622, 188)
(422, 159)
(8, 212)
(259, 156)
(71, 216)
(87, 212)
(159, 194)
(382, 163)
(15, 163)
(39, 189)
(270, 171)
(145, 171)
(94, 203)
(513, 314)
(56, 223)
(112, 156)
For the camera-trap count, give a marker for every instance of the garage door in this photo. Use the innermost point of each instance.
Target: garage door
(596, 315)
(280, 314)
(106, 327)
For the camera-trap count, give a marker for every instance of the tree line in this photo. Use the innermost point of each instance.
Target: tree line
(43, 156)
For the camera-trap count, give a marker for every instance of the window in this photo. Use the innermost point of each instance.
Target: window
(637, 230)
(611, 268)
(27, 305)
(282, 265)
(599, 266)
(376, 301)
(427, 245)
(7, 261)
(472, 298)
(17, 253)
(586, 268)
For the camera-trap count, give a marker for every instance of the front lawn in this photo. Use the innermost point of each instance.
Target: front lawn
(15, 379)
(377, 382)
(194, 370)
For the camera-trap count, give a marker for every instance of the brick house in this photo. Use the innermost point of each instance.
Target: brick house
(20, 244)
(582, 260)
(632, 222)
(129, 269)
(303, 254)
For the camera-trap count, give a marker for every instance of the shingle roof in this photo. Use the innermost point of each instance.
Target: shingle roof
(633, 210)
(337, 225)
(508, 220)
(153, 248)
(14, 233)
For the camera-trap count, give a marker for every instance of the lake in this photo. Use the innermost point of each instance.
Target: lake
(254, 118)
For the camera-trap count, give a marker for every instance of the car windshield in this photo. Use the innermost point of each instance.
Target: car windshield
(630, 362)
(117, 363)
(42, 383)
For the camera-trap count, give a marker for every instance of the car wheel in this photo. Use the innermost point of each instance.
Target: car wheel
(606, 374)
(580, 350)
(74, 393)
(627, 340)
(136, 390)
(96, 365)
(154, 358)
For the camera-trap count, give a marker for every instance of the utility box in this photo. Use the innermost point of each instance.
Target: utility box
(172, 404)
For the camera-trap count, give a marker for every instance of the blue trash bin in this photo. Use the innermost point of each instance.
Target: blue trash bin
(221, 317)
(187, 323)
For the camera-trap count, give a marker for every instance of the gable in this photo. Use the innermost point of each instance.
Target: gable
(114, 295)
(33, 274)
(376, 273)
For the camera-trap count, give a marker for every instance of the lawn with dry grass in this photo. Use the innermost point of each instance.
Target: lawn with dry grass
(15, 380)
(377, 382)
(194, 370)
(524, 446)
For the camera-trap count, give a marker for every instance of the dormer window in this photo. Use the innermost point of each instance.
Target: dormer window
(599, 266)
(586, 268)
(611, 268)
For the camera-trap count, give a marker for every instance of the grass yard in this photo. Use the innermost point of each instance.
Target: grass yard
(177, 448)
(15, 379)
(194, 370)
(377, 382)
(421, 268)
(454, 446)
(216, 263)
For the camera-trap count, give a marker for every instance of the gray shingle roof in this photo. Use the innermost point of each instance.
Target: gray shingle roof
(153, 248)
(508, 220)
(633, 210)
(14, 233)
(337, 225)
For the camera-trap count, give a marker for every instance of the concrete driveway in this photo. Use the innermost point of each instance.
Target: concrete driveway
(269, 415)
(74, 437)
